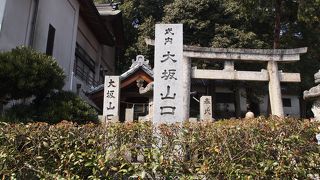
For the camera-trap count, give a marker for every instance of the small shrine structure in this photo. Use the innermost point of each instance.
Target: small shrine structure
(135, 100)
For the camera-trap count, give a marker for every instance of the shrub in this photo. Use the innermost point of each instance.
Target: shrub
(55, 108)
(250, 149)
(25, 73)
(65, 106)
(19, 113)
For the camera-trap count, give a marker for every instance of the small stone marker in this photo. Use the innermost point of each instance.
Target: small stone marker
(206, 108)
(169, 95)
(129, 114)
(111, 98)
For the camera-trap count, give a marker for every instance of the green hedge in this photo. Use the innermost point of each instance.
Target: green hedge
(259, 148)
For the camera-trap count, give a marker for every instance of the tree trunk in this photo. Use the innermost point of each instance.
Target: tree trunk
(277, 24)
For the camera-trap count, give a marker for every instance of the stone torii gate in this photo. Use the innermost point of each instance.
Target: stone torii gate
(271, 74)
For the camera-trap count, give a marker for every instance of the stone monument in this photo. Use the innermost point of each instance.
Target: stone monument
(313, 94)
(111, 98)
(170, 97)
(129, 114)
(206, 108)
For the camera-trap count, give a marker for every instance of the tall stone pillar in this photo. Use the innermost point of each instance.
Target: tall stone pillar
(171, 76)
(186, 84)
(275, 89)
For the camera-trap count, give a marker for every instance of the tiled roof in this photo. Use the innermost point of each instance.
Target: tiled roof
(138, 64)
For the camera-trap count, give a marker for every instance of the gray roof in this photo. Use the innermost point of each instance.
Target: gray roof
(139, 63)
(135, 69)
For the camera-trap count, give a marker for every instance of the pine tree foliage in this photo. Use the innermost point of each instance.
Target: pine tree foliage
(25, 73)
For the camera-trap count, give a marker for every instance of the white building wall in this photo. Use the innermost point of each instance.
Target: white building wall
(16, 23)
(63, 16)
(294, 110)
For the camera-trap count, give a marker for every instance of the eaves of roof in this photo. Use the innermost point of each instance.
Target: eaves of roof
(125, 75)
(135, 69)
(93, 19)
(113, 18)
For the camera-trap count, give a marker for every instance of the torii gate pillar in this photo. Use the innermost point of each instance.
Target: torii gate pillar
(275, 89)
(186, 79)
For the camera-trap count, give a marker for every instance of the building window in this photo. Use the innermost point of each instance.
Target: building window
(50, 40)
(2, 9)
(84, 66)
(286, 102)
